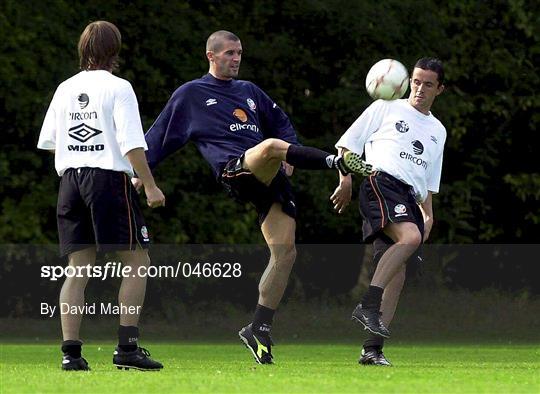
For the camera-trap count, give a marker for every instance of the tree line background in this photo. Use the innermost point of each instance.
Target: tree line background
(311, 57)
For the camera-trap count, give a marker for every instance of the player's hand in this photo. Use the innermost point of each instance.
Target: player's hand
(288, 168)
(428, 224)
(342, 195)
(154, 197)
(137, 184)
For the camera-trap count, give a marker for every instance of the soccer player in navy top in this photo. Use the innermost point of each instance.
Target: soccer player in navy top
(251, 146)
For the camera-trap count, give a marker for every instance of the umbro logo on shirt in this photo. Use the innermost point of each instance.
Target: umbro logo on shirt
(433, 139)
(83, 132)
(211, 101)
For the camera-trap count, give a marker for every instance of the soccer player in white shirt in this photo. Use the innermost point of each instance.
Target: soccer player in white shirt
(94, 128)
(403, 142)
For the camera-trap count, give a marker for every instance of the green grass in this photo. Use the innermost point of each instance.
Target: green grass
(300, 367)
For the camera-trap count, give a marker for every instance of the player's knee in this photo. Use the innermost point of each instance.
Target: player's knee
(405, 233)
(290, 254)
(284, 255)
(271, 148)
(411, 238)
(77, 282)
(135, 258)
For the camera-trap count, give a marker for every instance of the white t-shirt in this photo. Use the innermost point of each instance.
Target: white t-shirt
(93, 121)
(401, 141)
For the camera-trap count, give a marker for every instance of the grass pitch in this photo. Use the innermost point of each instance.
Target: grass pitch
(300, 367)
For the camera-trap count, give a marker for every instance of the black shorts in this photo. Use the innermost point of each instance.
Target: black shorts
(98, 207)
(384, 199)
(242, 185)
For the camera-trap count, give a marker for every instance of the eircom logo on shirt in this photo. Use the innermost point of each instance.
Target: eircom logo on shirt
(241, 115)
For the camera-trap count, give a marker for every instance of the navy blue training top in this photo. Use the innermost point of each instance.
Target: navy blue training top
(222, 118)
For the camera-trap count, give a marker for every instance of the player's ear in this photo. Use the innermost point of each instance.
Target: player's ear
(440, 89)
(210, 56)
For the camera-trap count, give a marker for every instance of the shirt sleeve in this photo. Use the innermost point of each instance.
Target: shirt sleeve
(356, 136)
(129, 132)
(435, 170)
(47, 135)
(170, 131)
(274, 121)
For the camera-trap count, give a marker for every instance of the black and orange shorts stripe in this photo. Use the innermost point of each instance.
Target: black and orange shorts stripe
(385, 199)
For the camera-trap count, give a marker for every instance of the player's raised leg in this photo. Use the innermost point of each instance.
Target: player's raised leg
(264, 159)
(128, 354)
(279, 232)
(71, 302)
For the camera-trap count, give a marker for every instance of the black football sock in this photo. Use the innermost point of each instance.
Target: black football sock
(373, 342)
(127, 338)
(262, 320)
(309, 158)
(373, 297)
(72, 348)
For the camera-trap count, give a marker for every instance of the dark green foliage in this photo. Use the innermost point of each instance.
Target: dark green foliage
(312, 58)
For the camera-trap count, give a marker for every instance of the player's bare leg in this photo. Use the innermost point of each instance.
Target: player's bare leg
(407, 238)
(279, 233)
(372, 353)
(128, 354)
(72, 293)
(133, 288)
(391, 295)
(264, 159)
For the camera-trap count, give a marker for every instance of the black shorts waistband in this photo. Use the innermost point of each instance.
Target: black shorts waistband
(400, 184)
(93, 169)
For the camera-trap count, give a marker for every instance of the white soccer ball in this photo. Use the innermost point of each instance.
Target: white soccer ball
(388, 79)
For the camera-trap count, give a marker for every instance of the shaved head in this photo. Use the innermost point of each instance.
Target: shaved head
(217, 39)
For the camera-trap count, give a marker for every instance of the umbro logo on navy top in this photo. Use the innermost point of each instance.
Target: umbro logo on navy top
(211, 101)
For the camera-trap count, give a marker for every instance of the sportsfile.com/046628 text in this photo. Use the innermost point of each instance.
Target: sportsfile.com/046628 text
(114, 269)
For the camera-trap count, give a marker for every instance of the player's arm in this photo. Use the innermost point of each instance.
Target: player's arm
(170, 131)
(130, 139)
(354, 139)
(427, 212)
(47, 135)
(433, 183)
(343, 193)
(167, 134)
(154, 196)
